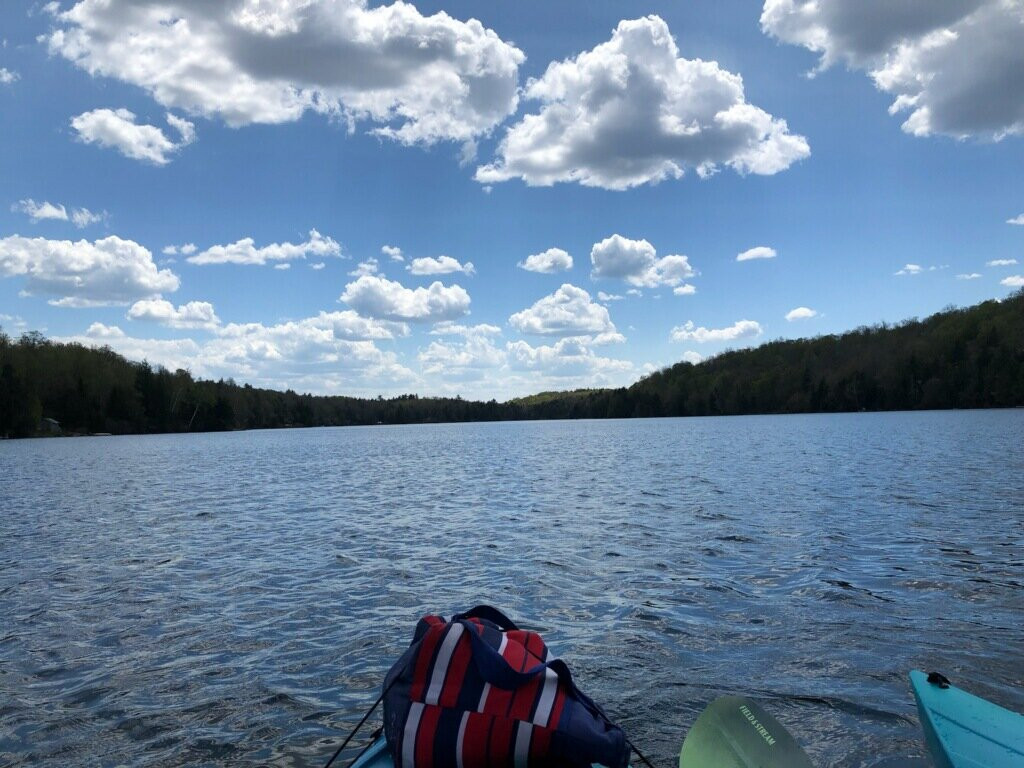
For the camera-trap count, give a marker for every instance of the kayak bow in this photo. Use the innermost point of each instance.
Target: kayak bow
(966, 731)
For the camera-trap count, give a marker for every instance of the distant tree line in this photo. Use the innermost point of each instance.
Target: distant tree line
(90, 390)
(959, 358)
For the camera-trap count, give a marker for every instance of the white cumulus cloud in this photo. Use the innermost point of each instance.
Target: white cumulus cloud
(448, 328)
(368, 267)
(955, 67)
(636, 262)
(117, 129)
(7, 76)
(569, 311)
(1001, 263)
(547, 262)
(686, 289)
(80, 217)
(758, 252)
(393, 252)
(801, 313)
(741, 329)
(417, 78)
(325, 352)
(917, 269)
(631, 111)
(442, 265)
(969, 276)
(347, 325)
(1014, 281)
(244, 251)
(101, 331)
(170, 353)
(470, 358)
(185, 129)
(330, 353)
(194, 314)
(83, 273)
(16, 320)
(693, 358)
(461, 359)
(185, 250)
(1017, 221)
(378, 297)
(570, 358)
(83, 217)
(40, 211)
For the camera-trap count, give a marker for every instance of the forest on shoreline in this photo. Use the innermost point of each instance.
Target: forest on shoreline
(959, 358)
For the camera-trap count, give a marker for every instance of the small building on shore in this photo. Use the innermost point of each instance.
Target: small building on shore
(50, 427)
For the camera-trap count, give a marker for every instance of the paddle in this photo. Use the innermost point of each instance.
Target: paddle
(734, 732)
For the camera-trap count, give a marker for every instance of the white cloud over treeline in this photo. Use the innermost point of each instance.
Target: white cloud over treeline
(83, 273)
(741, 329)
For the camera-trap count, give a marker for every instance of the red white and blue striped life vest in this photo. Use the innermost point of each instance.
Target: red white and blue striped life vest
(478, 692)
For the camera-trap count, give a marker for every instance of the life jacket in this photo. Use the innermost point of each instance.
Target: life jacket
(478, 692)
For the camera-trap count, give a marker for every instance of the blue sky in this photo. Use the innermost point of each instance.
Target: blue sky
(379, 125)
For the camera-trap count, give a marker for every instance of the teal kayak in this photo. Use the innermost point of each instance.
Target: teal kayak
(966, 731)
(377, 756)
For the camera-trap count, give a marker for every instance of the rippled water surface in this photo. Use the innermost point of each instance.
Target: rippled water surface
(234, 599)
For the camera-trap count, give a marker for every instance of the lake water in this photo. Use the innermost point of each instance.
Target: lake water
(235, 599)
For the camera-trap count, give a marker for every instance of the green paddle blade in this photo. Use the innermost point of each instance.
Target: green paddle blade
(736, 733)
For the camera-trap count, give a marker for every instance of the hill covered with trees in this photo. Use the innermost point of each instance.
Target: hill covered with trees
(958, 358)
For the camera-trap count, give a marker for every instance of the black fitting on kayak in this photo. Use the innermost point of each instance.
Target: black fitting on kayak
(939, 679)
(358, 726)
(639, 754)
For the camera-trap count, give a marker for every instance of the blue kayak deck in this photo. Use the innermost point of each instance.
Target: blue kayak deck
(966, 731)
(377, 756)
